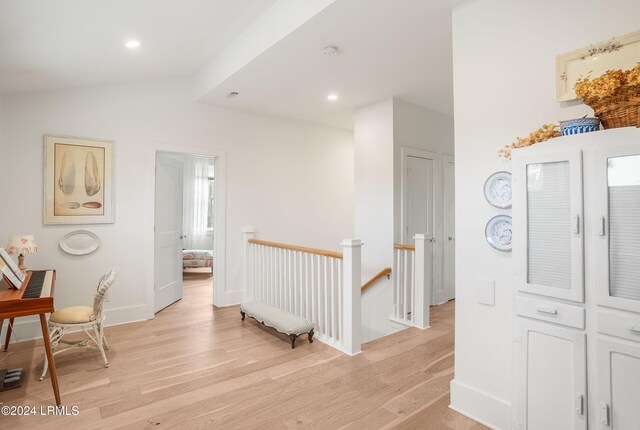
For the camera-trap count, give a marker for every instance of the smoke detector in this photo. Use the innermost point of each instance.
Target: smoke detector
(331, 51)
(232, 94)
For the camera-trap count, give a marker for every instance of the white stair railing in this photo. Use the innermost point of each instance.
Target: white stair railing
(412, 282)
(322, 286)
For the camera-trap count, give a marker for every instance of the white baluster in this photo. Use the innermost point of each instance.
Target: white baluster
(272, 276)
(340, 296)
(396, 285)
(289, 283)
(332, 302)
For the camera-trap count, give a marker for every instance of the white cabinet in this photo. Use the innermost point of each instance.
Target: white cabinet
(576, 250)
(617, 225)
(548, 221)
(618, 388)
(552, 378)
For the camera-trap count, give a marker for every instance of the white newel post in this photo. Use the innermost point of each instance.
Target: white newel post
(247, 266)
(351, 296)
(422, 281)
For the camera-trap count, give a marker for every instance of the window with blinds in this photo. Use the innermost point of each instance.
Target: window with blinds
(549, 224)
(623, 175)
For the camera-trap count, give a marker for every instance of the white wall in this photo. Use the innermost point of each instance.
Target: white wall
(292, 181)
(504, 86)
(373, 210)
(380, 130)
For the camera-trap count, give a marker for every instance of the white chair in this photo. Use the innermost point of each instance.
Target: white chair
(81, 317)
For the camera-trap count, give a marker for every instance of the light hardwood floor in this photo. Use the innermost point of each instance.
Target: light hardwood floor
(198, 367)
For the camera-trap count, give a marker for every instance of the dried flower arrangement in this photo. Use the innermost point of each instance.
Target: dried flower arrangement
(614, 96)
(607, 84)
(545, 132)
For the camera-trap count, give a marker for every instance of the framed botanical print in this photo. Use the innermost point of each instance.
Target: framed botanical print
(78, 181)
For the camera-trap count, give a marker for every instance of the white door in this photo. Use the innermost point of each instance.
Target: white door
(618, 399)
(549, 224)
(419, 195)
(551, 377)
(168, 230)
(447, 292)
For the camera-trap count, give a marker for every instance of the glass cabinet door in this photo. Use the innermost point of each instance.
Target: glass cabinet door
(548, 239)
(618, 227)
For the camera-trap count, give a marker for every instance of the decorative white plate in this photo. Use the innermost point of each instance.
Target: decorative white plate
(497, 190)
(498, 232)
(79, 242)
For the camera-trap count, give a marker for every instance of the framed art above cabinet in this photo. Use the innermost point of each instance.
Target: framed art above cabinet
(617, 53)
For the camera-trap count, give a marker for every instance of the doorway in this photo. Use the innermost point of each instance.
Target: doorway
(428, 208)
(184, 228)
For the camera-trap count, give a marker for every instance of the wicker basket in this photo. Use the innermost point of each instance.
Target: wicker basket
(618, 110)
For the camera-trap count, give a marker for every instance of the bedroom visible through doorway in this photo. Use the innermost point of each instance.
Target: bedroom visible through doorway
(185, 224)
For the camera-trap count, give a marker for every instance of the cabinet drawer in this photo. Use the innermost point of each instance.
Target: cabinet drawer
(544, 310)
(624, 326)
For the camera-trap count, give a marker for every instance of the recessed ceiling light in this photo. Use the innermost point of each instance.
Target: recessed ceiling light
(132, 44)
(332, 97)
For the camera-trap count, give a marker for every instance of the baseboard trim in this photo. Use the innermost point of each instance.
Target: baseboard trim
(28, 328)
(482, 407)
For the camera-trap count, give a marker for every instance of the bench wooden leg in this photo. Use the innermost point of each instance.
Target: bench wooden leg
(311, 336)
(242, 313)
(293, 338)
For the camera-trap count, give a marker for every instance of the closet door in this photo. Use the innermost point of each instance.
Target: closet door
(618, 385)
(551, 384)
(617, 232)
(548, 217)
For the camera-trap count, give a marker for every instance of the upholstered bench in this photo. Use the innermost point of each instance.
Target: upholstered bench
(282, 321)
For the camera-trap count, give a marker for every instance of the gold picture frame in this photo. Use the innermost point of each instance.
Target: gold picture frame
(621, 52)
(78, 181)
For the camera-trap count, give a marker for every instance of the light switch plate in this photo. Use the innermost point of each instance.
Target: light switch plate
(486, 291)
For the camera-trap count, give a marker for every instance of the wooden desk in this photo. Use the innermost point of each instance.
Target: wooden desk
(13, 305)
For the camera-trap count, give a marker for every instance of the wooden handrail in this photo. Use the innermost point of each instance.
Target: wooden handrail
(404, 247)
(384, 272)
(332, 254)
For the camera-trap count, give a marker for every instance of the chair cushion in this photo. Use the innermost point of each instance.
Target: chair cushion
(282, 321)
(73, 315)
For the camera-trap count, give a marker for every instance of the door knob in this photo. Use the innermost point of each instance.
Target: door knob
(451, 239)
(183, 236)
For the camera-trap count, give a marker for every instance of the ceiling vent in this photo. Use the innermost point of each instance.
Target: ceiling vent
(331, 51)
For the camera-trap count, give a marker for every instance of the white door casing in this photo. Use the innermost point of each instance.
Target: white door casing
(222, 294)
(420, 184)
(449, 233)
(168, 230)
